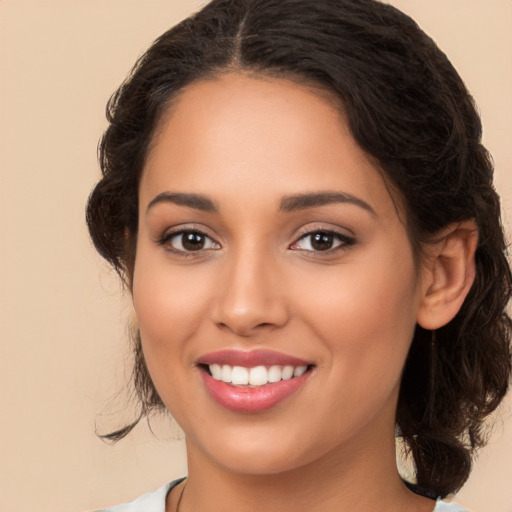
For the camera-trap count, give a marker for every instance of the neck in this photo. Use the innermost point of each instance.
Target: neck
(357, 480)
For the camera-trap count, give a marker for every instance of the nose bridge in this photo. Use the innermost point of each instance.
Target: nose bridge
(250, 293)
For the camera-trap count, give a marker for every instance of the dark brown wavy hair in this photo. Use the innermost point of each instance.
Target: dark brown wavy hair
(409, 110)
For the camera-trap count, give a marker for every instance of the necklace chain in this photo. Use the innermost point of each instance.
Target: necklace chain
(181, 496)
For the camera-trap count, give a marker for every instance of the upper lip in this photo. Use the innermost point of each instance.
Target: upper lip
(251, 358)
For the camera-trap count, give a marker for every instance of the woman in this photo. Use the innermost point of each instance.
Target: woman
(297, 197)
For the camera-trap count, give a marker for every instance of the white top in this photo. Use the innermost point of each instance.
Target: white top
(155, 502)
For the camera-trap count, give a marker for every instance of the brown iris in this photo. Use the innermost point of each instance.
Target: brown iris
(322, 241)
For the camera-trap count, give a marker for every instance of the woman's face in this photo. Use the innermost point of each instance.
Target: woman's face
(269, 245)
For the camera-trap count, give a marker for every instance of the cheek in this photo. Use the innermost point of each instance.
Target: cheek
(169, 302)
(169, 305)
(366, 323)
(365, 313)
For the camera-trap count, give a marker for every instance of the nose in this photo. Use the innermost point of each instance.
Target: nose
(250, 297)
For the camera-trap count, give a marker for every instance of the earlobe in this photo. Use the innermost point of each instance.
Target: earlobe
(448, 274)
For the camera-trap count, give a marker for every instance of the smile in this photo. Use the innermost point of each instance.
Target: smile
(252, 382)
(255, 376)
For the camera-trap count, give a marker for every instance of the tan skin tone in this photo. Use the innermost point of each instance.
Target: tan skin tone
(257, 280)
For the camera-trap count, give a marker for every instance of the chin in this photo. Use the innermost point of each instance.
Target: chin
(255, 451)
(259, 463)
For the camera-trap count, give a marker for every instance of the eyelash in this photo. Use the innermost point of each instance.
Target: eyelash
(167, 238)
(344, 242)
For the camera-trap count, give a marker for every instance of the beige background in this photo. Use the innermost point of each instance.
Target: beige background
(62, 324)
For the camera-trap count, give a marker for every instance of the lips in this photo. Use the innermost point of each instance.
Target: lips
(256, 375)
(251, 358)
(252, 381)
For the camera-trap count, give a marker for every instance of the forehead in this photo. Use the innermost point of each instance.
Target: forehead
(260, 136)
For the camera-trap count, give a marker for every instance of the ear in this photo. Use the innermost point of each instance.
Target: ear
(447, 274)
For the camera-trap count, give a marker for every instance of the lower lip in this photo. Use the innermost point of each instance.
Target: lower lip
(252, 400)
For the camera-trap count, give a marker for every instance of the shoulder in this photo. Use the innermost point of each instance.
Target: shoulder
(443, 506)
(150, 502)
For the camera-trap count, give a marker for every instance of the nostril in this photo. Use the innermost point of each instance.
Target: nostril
(245, 308)
(244, 330)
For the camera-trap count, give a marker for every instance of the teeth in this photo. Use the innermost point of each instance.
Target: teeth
(299, 371)
(216, 371)
(274, 374)
(256, 376)
(240, 376)
(287, 372)
(225, 373)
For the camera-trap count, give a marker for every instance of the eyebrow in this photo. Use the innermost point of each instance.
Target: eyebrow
(287, 204)
(196, 201)
(303, 201)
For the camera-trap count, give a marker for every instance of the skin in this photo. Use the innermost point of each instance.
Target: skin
(245, 143)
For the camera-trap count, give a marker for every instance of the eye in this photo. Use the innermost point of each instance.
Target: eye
(322, 241)
(188, 241)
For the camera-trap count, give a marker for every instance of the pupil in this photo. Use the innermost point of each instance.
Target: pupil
(322, 241)
(193, 241)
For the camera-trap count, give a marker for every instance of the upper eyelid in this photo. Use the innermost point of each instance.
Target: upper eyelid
(302, 233)
(328, 231)
(165, 242)
(346, 240)
(170, 232)
(321, 227)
